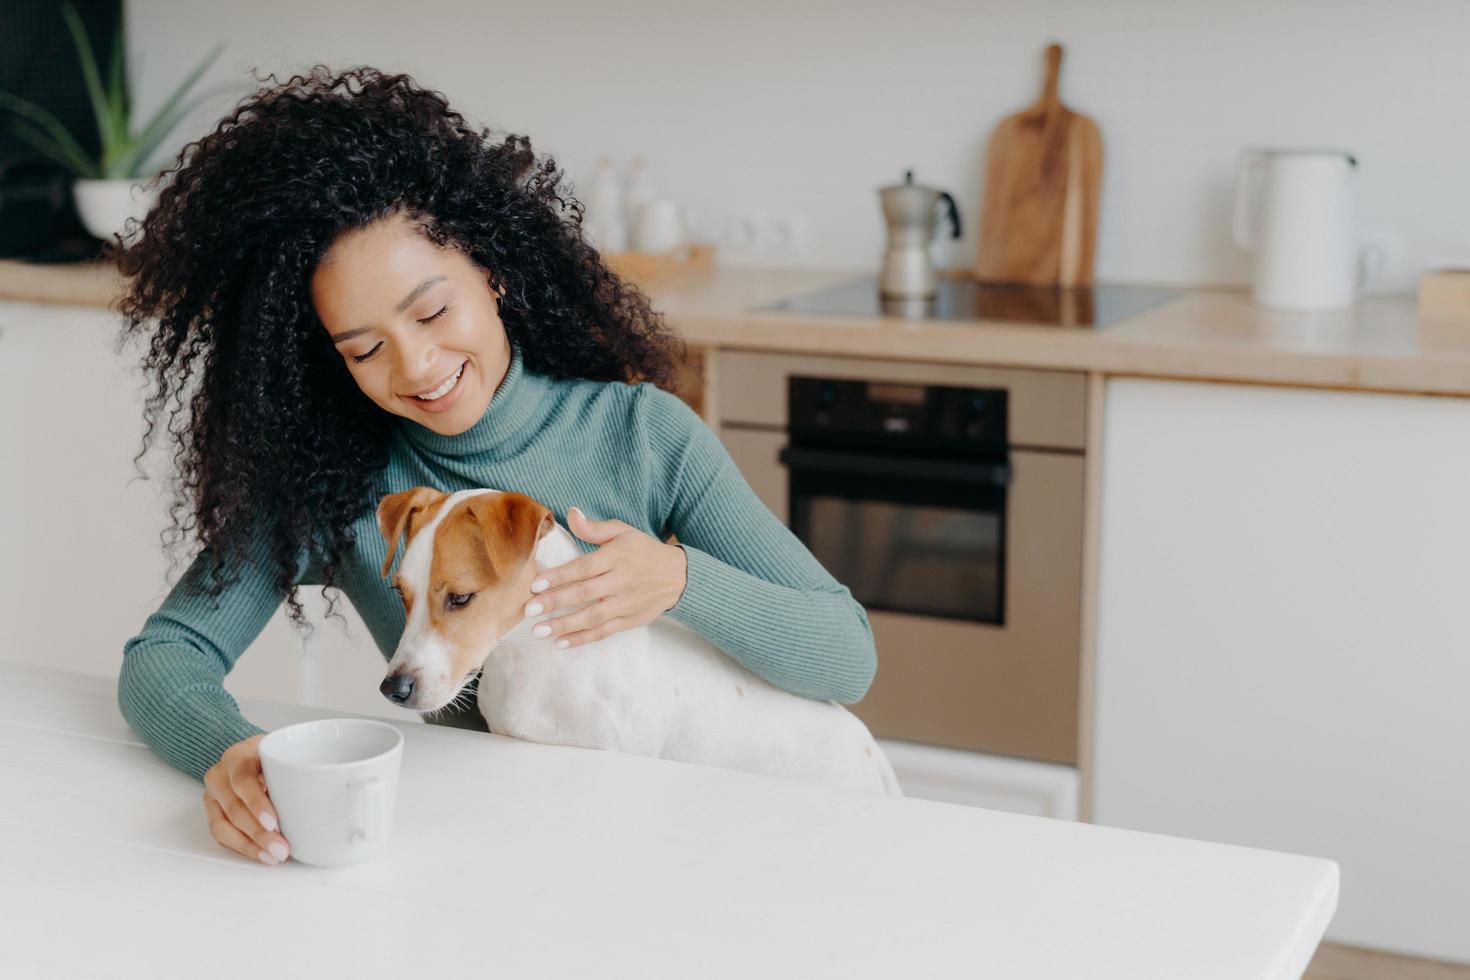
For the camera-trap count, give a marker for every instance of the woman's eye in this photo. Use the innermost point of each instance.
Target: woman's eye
(458, 600)
(358, 359)
(363, 357)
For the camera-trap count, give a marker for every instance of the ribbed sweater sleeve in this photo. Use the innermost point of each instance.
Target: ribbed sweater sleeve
(170, 687)
(753, 588)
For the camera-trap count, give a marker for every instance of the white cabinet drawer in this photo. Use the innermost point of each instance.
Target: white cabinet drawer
(931, 772)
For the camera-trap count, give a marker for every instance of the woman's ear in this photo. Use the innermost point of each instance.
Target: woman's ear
(499, 291)
(395, 513)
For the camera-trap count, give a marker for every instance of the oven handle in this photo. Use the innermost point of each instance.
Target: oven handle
(880, 464)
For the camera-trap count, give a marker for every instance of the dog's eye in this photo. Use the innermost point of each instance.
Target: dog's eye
(458, 600)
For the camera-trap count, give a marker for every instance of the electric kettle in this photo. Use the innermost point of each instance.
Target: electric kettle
(913, 214)
(1294, 211)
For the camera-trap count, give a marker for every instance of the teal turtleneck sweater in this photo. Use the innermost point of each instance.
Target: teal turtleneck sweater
(634, 452)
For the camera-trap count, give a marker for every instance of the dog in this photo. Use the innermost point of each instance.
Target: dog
(660, 690)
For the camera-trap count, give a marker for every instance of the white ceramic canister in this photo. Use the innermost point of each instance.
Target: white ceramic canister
(604, 221)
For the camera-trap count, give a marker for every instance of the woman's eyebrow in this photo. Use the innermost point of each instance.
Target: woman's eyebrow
(403, 304)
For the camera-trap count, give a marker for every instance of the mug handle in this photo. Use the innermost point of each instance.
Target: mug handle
(371, 795)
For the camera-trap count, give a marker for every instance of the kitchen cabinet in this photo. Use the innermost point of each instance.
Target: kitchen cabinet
(1283, 648)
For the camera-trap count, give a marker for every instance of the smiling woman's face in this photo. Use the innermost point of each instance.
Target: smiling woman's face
(406, 315)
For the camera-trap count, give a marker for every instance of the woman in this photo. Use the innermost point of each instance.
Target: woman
(375, 297)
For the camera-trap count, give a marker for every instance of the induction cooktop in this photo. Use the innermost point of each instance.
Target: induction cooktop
(967, 299)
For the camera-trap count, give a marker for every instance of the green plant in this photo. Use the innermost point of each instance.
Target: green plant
(123, 152)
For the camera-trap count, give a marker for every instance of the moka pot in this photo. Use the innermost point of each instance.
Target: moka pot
(913, 213)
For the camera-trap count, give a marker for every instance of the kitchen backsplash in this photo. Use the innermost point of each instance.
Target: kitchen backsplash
(776, 122)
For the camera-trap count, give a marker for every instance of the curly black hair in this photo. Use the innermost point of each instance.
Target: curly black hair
(223, 263)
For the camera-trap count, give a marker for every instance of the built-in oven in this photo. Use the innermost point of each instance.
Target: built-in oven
(949, 500)
(900, 491)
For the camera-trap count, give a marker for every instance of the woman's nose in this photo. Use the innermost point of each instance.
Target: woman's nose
(416, 362)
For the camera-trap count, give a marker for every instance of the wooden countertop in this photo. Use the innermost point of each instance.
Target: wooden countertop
(1202, 334)
(70, 284)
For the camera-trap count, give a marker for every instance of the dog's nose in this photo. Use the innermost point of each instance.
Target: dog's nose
(397, 688)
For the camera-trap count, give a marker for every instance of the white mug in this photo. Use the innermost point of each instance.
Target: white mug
(333, 783)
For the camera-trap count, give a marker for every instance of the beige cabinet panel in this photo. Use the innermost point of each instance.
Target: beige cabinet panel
(754, 451)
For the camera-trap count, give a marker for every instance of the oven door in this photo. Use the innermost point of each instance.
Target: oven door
(906, 534)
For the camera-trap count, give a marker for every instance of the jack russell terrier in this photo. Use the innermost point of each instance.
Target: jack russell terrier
(660, 690)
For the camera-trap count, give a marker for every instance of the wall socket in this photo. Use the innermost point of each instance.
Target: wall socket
(759, 233)
(1383, 260)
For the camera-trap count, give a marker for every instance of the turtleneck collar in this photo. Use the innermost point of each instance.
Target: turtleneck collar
(516, 402)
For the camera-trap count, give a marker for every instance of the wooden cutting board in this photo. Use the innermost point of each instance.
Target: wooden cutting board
(1038, 219)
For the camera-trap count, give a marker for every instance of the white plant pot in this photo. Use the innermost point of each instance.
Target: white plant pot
(106, 205)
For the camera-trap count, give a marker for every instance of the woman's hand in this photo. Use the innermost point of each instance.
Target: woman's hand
(238, 806)
(633, 577)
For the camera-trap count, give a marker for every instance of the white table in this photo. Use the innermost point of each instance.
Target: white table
(515, 859)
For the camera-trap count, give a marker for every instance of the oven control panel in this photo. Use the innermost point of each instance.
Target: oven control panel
(918, 418)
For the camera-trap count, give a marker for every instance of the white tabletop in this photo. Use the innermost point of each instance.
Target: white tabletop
(551, 861)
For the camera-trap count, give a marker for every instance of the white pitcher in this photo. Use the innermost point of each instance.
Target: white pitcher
(1294, 210)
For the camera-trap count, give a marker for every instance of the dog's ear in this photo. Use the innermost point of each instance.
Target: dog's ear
(511, 524)
(395, 513)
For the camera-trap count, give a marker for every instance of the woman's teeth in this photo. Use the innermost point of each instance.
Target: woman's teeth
(443, 389)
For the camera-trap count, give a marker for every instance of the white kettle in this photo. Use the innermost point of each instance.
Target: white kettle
(1294, 210)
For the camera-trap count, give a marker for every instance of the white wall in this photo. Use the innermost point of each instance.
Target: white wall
(807, 108)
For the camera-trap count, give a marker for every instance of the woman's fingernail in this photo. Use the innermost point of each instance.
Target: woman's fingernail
(268, 821)
(577, 510)
(542, 630)
(279, 850)
(533, 609)
(539, 584)
(267, 859)
(561, 644)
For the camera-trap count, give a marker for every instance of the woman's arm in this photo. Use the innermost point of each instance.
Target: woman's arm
(753, 587)
(170, 688)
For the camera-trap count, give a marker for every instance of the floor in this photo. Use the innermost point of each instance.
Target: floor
(1335, 962)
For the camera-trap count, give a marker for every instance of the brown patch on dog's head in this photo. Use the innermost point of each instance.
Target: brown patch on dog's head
(509, 525)
(407, 510)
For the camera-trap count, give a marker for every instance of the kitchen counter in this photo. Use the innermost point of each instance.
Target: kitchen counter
(1202, 334)
(70, 283)
(556, 861)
